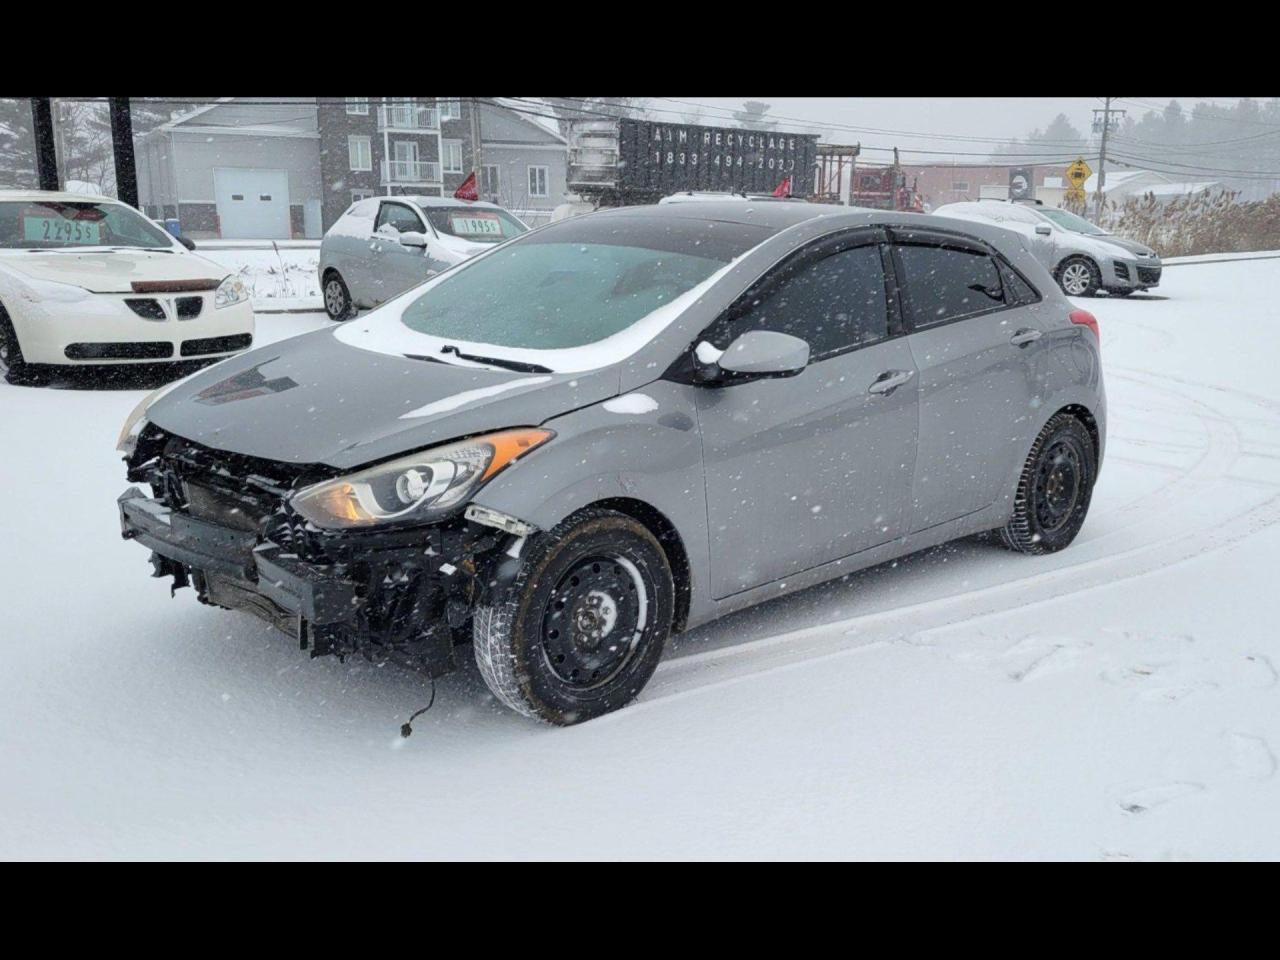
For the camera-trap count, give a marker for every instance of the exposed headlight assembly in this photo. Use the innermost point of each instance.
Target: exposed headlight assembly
(230, 292)
(137, 419)
(414, 489)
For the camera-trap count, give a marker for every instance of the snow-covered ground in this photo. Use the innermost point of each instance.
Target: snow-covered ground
(281, 275)
(1119, 700)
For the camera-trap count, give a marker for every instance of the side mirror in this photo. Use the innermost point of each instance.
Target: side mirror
(413, 239)
(757, 354)
(1043, 229)
(186, 242)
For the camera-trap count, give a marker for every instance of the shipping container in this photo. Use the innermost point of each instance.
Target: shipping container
(625, 161)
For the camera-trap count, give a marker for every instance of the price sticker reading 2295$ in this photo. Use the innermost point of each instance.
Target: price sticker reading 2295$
(60, 230)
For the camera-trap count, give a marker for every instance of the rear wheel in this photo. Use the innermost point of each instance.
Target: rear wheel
(580, 629)
(337, 298)
(1054, 490)
(12, 365)
(1079, 277)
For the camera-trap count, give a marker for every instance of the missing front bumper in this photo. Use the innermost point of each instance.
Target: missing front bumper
(392, 603)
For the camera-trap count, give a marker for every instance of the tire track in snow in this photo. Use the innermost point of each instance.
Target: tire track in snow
(694, 673)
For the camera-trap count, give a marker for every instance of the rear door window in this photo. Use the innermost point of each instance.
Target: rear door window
(946, 282)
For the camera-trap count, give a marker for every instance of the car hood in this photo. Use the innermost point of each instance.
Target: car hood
(112, 271)
(1132, 246)
(313, 399)
(462, 248)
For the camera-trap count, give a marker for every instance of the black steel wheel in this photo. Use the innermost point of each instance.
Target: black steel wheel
(1054, 490)
(580, 628)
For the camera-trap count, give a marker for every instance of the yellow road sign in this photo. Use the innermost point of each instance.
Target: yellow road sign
(1074, 194)
(1078, 172)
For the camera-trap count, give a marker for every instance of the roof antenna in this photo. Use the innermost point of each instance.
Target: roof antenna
(407, 728)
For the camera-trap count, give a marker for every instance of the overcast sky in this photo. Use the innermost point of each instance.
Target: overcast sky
(998, 118)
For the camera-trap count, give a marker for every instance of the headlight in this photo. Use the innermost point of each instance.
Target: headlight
(133, 426)
(46, 291)
(416, 488)
(230, 292)
(137, 419)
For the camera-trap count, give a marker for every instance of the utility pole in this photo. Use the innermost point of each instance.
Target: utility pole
(1102, 159)
(1102, 153)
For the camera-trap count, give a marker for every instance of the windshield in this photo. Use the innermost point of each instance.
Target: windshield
(1069, 221)
(480, 224)
(576, 283)
(57, 225)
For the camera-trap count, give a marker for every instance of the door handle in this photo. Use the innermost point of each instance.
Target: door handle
(1025, 336)
(889, 381)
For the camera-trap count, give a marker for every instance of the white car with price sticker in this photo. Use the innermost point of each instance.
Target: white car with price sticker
(86, 280)
(382, 246)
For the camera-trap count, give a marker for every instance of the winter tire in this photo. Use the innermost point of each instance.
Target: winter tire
(1079, 277)
(1054, 489)
(14, 368)
(580, 629)
(337, 298)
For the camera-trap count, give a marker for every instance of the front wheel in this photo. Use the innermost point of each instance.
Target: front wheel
(1055, 489)
(580, 629)
(1079, 277)
(337, 298)
(13, 367)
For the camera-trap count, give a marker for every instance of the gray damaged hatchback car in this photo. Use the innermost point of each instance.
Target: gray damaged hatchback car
(621, 426)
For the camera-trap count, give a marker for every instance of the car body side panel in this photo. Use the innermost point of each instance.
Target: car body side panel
(978, 397)
(807, 469)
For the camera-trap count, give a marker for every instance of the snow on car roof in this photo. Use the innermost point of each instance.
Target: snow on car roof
(60, 195)
(427, 201)
(768, 213)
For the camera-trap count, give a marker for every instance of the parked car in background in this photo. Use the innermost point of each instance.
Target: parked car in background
(1149, 266)
(620, 426)
(383, 246)
(89, 280)
(1083, 258)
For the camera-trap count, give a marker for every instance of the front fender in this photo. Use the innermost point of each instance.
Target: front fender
(642, 446)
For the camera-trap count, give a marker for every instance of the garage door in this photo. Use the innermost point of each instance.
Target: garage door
(252, 204)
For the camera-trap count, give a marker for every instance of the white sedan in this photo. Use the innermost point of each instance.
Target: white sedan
(89, 280)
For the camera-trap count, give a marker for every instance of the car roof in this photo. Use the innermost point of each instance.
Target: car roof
(778, 217)
(60, 195)
(427, 201)
(766, 213)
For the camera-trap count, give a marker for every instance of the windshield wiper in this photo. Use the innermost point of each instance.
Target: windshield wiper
(519, 366)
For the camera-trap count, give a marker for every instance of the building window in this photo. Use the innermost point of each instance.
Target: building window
(358, 106)
(358, 195)
(359, 153)
(538, 182)
(960, 186)
(450, 109)
(489, 180)
(452, 155)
